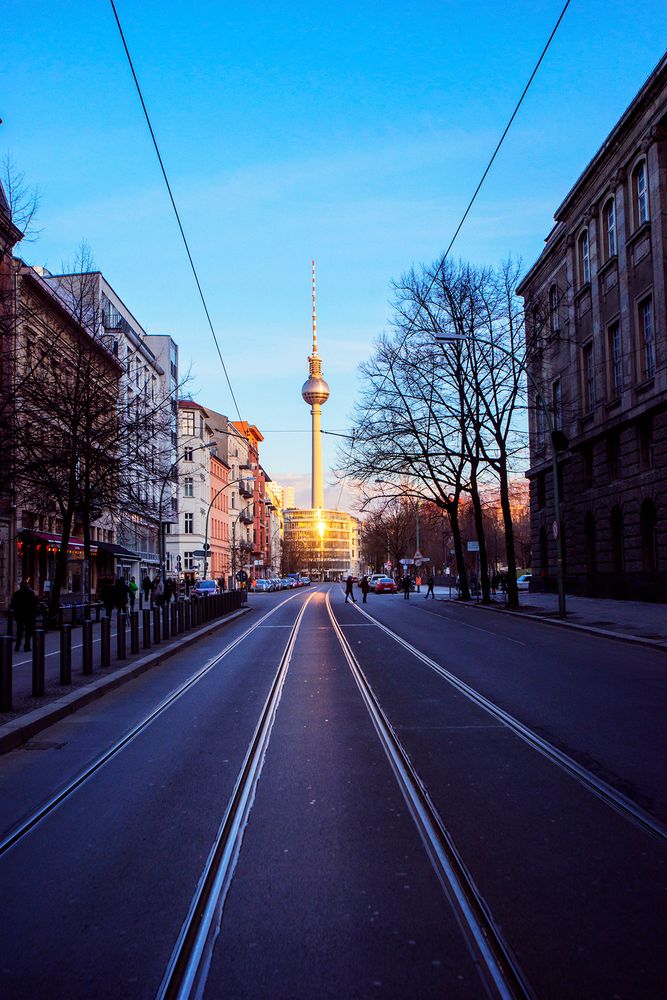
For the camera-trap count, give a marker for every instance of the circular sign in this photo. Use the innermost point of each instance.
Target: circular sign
(554, 530)
(242, 576)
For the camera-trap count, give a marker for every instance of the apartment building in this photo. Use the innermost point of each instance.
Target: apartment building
(596, 323)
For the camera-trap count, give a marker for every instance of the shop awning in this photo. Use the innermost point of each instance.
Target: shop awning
(119, 551)
(54, 541)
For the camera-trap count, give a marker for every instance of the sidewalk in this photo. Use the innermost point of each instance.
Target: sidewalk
(632, 620)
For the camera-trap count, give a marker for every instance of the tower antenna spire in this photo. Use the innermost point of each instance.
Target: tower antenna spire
(314, 312)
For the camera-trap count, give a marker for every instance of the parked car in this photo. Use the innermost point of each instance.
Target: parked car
(305, 580)
(262, 586)
(385, 585)
(523, 582)
(373, 577)
(203, 587)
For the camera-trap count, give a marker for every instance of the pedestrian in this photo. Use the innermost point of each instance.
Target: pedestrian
(132, 589)
(364, 588)
(418, 582)
(121, 591)
(158, 591)
(349, 592)
(108, 596)
(430, 590)
(24, 608)
(147, 586)
(221, 584)
(168, 590)
(405, 584)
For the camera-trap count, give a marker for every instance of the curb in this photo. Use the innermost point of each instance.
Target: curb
(591, 629)
(18, 731)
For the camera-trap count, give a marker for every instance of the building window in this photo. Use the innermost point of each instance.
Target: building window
(188, 560)
(187, 454)
(587, 466)
(189, 423)
(541, 491)
(557, 405)
(584, 259)
(648, 526)
(539, 422)
(189, 523)
(617, 540)
(590, 543)
(615, 361)
(553, 309)
(188, 487)
(640, 194)
(588, 371)
(645, 442)
(647, 338)
(614, 455)
(609, 229)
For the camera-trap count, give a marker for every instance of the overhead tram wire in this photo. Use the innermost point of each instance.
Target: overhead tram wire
(173, 205)
(477, 190)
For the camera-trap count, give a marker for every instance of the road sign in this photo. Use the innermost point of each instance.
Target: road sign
(206, 546)
(407, 562)
(388, 565)
(242, 576)
(473, 546)
(199, 554)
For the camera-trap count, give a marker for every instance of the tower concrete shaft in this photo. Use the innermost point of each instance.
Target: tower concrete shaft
(315, 391)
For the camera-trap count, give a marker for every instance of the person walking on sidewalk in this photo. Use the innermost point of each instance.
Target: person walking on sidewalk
(147, 586)
(349, 592)
(121, 590)
(405, 584)
(24, 608)
(132, 589)
(364, 588)
(429, 590)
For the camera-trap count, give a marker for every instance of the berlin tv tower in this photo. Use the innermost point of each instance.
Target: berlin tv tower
(315, 392)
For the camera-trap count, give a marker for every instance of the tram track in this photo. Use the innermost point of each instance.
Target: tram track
(187, 970)
(22, 829)
(495, 961)
(611, 796)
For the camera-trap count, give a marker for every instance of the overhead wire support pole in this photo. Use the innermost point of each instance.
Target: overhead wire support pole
(173, 205)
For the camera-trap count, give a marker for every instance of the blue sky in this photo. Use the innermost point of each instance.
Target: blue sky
(352, 133)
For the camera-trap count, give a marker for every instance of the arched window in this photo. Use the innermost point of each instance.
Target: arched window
(609, 229)
(590, 543)
(584, 259)
(640, 194)
(553, 309)
(617, 540)
(648, 527)
(544, 552)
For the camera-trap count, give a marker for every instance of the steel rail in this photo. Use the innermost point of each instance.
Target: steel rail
(494, 960)
(190, 960)
(28, 824)
(597, 786)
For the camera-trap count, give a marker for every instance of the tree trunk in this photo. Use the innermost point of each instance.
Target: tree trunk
(481, 538)
(464, 589)
(61, 567)
(512, 590)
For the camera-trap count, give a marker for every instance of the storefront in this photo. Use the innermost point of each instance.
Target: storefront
(37, 553)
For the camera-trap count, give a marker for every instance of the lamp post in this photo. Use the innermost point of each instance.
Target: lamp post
(553, 432)
(201, 447)
(250, 479)
(321, 527)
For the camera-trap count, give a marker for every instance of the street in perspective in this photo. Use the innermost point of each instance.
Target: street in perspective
(363, 698)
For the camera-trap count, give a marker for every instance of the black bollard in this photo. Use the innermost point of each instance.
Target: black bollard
(156, 625)
(6, 673)
(146, 624)
(174, 619)
(134, 632)
(105, 642)
(38, 680)
(121, 623)
(10, 623)
(87, 648)
(86, 612)
(66, 654)
(187, 610)
(165, 621)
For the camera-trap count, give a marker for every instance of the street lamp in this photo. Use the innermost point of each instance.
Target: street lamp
(250, 479)
(556, 438)
(165, 480)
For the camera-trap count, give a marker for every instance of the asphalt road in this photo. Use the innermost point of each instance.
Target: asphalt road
(331, 892)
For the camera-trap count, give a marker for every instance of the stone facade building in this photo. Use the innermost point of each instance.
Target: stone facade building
(596, 325)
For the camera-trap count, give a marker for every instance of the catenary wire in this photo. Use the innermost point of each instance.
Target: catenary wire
(173, 205)
(443, 259)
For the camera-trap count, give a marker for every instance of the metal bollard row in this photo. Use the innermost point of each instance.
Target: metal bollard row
(6, 642)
